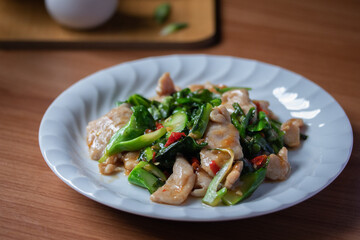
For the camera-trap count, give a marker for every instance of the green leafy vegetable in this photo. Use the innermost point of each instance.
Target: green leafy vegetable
(147, 154)
(133, 144)
(242, 122)
(137, 100)
(176, 122)
(263, 122)
(148, 176)
(137, 143)
(201, 121)
(173, 27)
(162, 12)
(213, 196)
(248, 184)
(186, 146)
(139, 121)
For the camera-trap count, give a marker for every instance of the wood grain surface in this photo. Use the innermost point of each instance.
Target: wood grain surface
(27, 22)
(319, 39)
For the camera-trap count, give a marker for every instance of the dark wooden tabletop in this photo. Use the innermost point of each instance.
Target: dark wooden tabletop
(319, 39)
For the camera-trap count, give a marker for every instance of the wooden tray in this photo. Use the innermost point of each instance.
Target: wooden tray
(27, 24)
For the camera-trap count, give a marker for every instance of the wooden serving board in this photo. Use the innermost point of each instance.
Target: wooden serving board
(27, 23)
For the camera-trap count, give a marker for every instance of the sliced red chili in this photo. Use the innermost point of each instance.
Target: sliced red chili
(175, 136)
(195, 163)
(158, 125)
(259, 160)
(153, 157)
(214, 167)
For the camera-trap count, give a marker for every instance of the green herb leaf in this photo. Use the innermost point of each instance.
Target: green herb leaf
(162, 12)
(173, 27)
(187, 146)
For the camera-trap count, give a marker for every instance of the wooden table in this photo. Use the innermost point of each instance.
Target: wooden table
(319, 39)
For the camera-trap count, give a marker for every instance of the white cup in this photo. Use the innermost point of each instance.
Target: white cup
(81, 14)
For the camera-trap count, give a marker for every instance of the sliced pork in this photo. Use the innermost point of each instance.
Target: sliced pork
(220, 133)
(178, 186)
(292, 131)
(240, 96)
(101, 130)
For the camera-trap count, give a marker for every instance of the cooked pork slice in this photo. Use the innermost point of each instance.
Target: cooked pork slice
(201, 184)
(292, 131)
(234, 174)
(278, 167)
(220, 133)
(130, 160)
(165, 85)
(111, 165)
(240, 96)
(178, 186)
(101, 130)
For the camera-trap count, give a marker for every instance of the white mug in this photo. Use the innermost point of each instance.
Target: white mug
(81, 14)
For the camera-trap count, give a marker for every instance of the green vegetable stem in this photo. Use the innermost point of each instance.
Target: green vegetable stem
(139, 121)
(147, 175)
(249, 183)
(201, 121)
(133, 144)
(213, 196)
(176, 122)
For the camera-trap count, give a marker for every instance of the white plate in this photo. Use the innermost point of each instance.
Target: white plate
(314, 165)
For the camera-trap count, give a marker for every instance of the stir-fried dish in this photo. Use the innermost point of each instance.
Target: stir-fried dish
(208, 141)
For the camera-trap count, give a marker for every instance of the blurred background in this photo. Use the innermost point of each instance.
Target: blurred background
(109, 23)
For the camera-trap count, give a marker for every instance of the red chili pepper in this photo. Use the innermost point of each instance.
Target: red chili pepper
(175, 136)
(214, 167)
(158, 125)
(195, 163)
(153, 158)
(259, 160)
